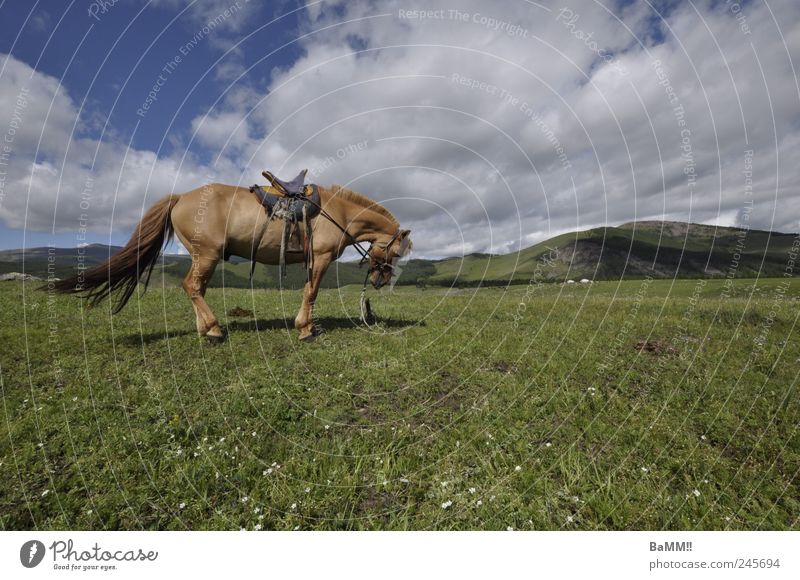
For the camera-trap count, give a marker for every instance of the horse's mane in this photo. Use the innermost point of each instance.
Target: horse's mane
(362, 200)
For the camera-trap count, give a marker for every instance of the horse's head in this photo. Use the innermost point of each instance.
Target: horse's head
(385, 256)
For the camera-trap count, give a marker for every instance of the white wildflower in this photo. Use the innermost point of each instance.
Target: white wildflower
(447, 504)
(45, 492)
(518, 468)
(696, 492)
(472, 490)
(182, 505)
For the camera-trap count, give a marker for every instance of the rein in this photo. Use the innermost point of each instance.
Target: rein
(367, 317)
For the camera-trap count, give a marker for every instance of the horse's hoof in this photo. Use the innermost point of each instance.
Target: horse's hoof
(216, 338)
(310, 335)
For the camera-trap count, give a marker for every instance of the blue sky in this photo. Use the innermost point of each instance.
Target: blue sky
(485, 131)
(112, 59)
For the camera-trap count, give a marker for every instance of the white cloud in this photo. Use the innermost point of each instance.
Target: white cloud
(441, 144)
(55, 174)
(479, 169)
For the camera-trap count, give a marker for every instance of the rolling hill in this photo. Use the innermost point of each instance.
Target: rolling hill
(632, 250)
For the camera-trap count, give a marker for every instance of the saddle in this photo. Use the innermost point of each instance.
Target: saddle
(296, 200)
(298, 203)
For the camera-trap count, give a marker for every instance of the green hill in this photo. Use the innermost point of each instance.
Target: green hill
(632, 250)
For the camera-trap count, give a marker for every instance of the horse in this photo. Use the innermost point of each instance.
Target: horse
(217, 221)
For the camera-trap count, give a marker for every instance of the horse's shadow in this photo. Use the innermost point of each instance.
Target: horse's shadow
(325, 323)
(263, 324)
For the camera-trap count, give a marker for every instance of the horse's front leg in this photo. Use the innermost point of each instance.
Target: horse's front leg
(305, 318)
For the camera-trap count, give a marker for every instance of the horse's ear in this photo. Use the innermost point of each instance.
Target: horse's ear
(404, 234)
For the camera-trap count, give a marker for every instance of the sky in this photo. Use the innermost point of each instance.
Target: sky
(484, 127)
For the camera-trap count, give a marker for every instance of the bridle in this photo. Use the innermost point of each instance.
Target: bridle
(380, 265)
(366, 258)
(375, 265)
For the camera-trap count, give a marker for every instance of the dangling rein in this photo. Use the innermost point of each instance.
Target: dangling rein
(293, 208)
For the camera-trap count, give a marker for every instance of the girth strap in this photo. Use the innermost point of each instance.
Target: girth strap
(292, 207)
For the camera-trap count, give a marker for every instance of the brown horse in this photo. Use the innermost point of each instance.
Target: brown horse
(217, 221)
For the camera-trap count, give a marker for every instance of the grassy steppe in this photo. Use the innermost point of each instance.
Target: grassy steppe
(530, 408)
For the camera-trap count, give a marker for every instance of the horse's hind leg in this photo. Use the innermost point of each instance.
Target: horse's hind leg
(195, 285)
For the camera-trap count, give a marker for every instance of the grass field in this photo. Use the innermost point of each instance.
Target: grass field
(634, 405)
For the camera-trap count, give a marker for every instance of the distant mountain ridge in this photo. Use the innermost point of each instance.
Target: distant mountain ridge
(631, 250)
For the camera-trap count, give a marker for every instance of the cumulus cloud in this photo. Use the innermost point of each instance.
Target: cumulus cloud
(514, 124)
(492, 127)
(56, 178)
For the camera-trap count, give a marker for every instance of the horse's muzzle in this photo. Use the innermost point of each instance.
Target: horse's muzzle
(379, 279)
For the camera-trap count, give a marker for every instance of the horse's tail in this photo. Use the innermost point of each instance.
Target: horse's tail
(123, 271)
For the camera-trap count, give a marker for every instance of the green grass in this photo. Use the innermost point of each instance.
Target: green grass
(528, 408)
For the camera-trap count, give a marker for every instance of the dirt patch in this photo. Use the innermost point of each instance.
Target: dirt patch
(654, 347)
(372, 416)
(505, 367)
(378, 504)
(446, 400)
(240, 313)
